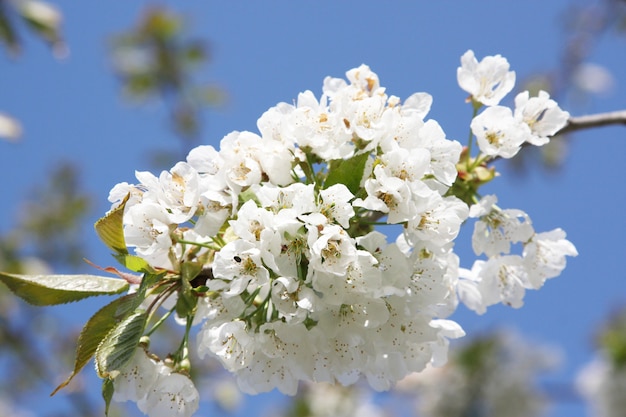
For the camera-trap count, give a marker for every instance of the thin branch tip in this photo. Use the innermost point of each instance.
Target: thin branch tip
(594, 120)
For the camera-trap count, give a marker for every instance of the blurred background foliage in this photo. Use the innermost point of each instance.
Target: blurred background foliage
(41, 19)
(154, 60)
(158, 60)
(490, 376)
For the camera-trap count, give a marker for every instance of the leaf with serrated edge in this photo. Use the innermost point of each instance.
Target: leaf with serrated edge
(118, 347)
(45, 290)
(110, 228)
(96, 329)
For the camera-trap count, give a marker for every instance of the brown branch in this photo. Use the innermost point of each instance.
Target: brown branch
(594, 120)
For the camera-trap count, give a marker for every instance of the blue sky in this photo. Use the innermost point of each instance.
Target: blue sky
(267, 52)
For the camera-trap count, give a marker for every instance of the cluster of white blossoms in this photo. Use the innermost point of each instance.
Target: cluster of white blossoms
(496, 374)
(504, 277)
(275, 237)
(501, 132)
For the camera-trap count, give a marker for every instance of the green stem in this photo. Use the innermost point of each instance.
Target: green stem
(252, 296)
(261, 308)
(160, 322)
(160, 299)
(219, 241)
(309, 171)
(182, 351)
(480, 159)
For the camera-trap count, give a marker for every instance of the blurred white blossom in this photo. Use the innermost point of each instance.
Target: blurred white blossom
(10, 128)
(491, 376)
(593, 78)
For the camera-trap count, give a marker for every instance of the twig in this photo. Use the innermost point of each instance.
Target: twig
(594, 120)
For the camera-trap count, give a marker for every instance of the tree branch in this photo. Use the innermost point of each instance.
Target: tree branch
(594, 120)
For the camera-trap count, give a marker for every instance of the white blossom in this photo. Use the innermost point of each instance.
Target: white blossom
(487, 81)
(499, 378)
(544, 256)
(502, 279)
(238, 267)
(10, 128)
(332, 250)
(172, 395)
(335, 204)
(496, 229)
(229, 341)
(440, 223)
(388, 194)
(603, 384)
(136, 379)
(444, 153)
(147, 229)
(498, 133)
(541, 114)
(176, 190)
(157, 390)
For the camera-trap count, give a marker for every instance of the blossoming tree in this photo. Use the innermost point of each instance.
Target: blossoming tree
(319, 249)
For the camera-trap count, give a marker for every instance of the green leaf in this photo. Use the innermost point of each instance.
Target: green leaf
(45, 290)
(347, 172)
(134, 263)
(118, 347)
(107, 393)
(110, 228)
(96, 329)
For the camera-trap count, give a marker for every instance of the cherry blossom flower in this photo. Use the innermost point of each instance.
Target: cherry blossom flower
(496, 229)
(157, 390)
(135, 381)
(487, 81)
(544, 256)
(148, 229)
(332, 250)
(172, 395)
(498, 133)
(541, 114)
